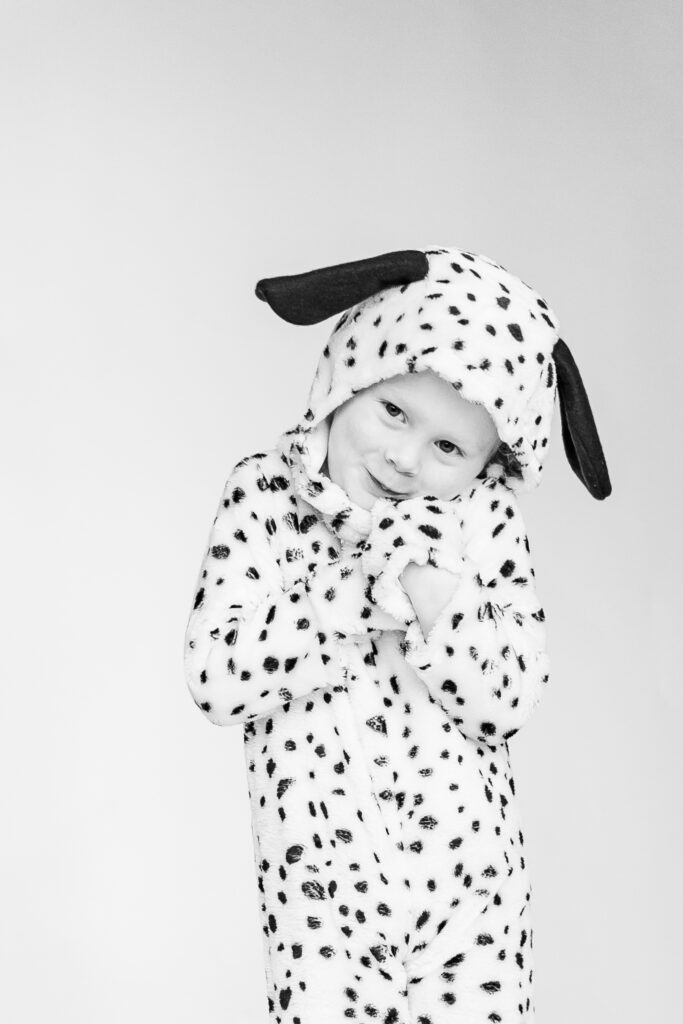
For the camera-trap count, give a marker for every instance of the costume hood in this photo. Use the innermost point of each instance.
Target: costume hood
(458, 314)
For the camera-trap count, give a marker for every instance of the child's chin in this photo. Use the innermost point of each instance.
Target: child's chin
(364, 500)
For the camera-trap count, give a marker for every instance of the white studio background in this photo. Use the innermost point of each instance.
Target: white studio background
(156, 159)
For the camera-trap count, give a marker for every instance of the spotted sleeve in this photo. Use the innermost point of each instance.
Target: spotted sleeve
(250, 645)
(485, 660)
(253, 644)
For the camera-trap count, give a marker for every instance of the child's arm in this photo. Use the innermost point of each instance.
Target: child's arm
(484, 657)
(251, 645)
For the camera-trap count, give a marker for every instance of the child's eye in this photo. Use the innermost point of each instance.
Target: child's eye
(392, 409)
(449, 450)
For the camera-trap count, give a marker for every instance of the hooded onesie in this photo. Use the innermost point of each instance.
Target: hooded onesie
(390, 860)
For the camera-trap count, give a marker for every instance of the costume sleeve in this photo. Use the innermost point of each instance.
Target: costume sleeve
(484, 660)
(253, 644)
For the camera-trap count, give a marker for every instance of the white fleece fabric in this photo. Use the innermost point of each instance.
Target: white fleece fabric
(389, 854)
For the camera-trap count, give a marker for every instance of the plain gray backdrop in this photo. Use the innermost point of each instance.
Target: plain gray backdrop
(156, 160)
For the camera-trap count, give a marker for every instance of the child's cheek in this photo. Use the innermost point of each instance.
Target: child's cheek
(447, 481)
(363, 434)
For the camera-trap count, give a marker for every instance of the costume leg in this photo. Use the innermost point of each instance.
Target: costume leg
(326, 977)
(488, 978)
(312, 985)
(334, 940)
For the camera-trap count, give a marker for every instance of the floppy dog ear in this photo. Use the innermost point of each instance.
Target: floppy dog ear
(316, 295)
(579, 432)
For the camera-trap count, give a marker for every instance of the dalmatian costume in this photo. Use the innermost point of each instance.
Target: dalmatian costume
(390, 859)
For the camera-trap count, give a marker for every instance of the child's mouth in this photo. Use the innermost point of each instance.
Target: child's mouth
(387, 490)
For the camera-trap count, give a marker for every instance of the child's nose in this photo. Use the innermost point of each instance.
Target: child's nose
(404, 461)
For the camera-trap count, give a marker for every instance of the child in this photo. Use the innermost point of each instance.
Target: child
(367, 611)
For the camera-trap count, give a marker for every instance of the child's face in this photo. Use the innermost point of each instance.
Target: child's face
(414, 434)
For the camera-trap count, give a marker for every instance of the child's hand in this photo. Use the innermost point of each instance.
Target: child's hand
(341, 596)
(425, 533)
(430, 590)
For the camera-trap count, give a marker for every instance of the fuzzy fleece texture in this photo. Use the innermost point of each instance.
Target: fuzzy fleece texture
(389, 855)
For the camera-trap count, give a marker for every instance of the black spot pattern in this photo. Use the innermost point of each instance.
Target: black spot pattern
(392, 836)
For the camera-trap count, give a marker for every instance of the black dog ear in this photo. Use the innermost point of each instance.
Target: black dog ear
(318, 294)
(579, 432)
